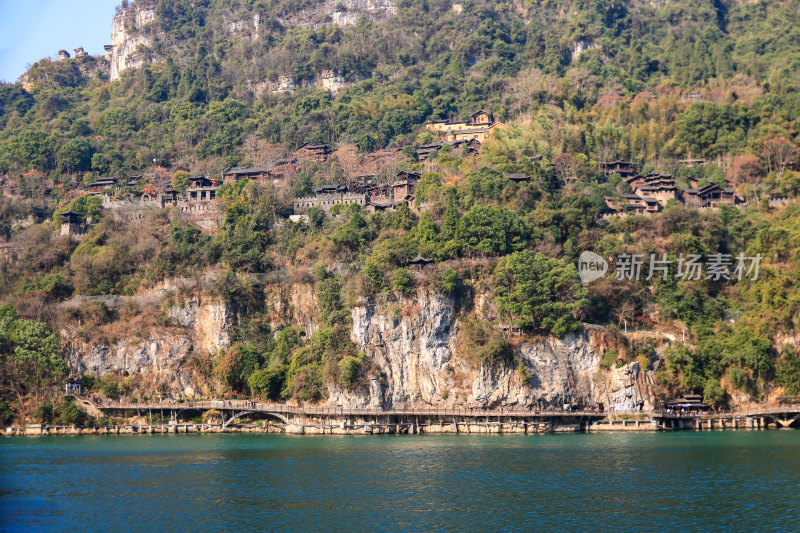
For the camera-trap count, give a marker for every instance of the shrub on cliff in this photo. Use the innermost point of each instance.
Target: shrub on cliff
(402, 281)
(539, 293)
(44, 413)
(480, 342)
(268, 382)
(5, 414)
(787, 370)
(349, 370)
(67, 413)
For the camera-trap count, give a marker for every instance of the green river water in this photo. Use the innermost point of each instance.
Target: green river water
(682, 481)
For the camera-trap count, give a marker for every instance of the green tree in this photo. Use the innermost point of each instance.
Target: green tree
(32, 149)
(116, 123)
(491, 230)
(425, 232)
(540, 293)
(76, 155)
(268, 382)
(180, 181)
(451, 216)
(713, 393)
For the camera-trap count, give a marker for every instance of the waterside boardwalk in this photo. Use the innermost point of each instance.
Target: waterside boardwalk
(231, 415)
(314, 419)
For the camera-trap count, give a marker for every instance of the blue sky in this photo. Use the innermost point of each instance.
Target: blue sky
(33, 29)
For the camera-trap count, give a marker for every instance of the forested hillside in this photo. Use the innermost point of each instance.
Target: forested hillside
(576, 84)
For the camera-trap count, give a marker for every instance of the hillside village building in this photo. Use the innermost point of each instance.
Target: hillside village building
(652, 192)
(70, 223)
(232, 175)
(709, 196)
(273, 173)
(102, 184)
(516, 177)
(661, 187)
(373, 197)
(478, 128)
(618, 166)
(313, 152)
(201, 189)
(470, 146)
(633, 204)
(326, 201)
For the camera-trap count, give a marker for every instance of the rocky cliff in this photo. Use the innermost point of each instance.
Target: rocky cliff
(136, 29)
(129, 41)
(172, 355)
(411, 345)
(420, 365)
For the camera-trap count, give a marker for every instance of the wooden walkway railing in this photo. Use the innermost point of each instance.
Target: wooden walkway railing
(312, 411)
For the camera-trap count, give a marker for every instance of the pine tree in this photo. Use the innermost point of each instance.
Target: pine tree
(450, 219)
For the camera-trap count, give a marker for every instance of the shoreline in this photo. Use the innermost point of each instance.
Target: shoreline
(366, 428)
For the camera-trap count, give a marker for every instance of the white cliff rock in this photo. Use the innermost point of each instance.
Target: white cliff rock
(410, 345)
(415, 352)
(127, 39)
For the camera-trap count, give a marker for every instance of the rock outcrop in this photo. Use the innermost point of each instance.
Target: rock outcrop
(162, 358)
(129, 41)
(136, 29)
(415, 351)
(411, 348)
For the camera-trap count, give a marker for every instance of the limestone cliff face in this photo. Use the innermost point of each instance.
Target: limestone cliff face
(347, 12)
(415, 351)
(329, 80)
(135, 30)
(410, 344)
(163, 358)
(128, 39)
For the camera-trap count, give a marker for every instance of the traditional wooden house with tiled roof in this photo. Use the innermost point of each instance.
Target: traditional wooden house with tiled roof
(618, 166)
(201, 189)
(478, 128)
(102, 184)
(232, 175)
(633, 204)
(709, 196)
(313, 152)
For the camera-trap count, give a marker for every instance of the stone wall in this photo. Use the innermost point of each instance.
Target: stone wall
(326, 201)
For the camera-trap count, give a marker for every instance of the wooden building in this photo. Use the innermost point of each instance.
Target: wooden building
(70, 223)
(709, 196)
(478, 128)
(201, 189)
(232, 175)
(633, 204)
(619, 166)
(313, 152)
(102, 184)
(516, 178)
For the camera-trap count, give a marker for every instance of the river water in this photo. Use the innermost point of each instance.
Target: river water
(688, 481)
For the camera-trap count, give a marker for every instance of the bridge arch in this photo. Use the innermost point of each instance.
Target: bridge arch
(240, 414)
